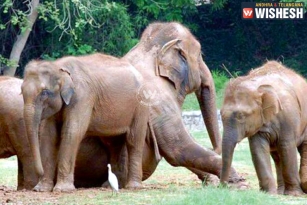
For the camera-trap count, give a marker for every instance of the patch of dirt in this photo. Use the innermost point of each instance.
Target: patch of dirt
(10, 196)
(162, 179)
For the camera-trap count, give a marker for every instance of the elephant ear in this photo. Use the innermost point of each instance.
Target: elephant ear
(270, 102)
(171, 63)
(67, 86)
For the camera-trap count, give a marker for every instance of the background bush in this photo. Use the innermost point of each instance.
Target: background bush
(113, 27)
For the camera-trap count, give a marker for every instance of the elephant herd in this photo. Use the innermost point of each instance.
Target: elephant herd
(68, 118)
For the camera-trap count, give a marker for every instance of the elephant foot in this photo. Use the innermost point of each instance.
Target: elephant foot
(134, 185)
(293, 192)
(304, 187)
(19, 188)
(272, 191)
(242, 185)
(238, 182)
(280, 190)
(64, 187)
(44, 186)
(235, 177)
(210, 179)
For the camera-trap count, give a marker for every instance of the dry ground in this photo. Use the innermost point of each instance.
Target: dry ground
(166, 183)
(164, 179)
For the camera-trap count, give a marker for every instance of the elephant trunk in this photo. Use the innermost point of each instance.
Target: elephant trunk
(230, 139)
(207, 101)
(32, 119)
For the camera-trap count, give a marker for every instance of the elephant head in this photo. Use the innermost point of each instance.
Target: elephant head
(177, 57)
(46, 88)
(246, 110)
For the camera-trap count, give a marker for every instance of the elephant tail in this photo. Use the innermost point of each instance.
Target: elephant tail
(154, 139)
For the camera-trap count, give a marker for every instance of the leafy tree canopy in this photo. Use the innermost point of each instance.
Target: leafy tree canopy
(76, 27)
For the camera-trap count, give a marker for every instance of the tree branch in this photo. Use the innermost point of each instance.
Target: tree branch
(22, 39)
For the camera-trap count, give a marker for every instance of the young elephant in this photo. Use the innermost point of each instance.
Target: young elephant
(13, 140)
(92, 95)
(269, 107)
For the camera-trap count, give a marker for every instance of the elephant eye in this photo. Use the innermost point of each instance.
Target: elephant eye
(240, 116)
(45, 92)
(181, 53)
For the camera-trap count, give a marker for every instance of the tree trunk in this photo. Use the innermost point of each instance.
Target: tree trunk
(22, 39)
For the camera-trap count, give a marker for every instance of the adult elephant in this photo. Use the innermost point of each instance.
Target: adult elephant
(13, 140)
(169, 58)
(92, 158)
(92, 95)
(269, 107)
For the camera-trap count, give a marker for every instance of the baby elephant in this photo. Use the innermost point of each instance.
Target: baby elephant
(269, 106)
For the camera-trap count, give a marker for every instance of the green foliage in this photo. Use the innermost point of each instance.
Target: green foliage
(78, 27)
(241, 45)
(146, 11)
(18, 16)
(71, 50)
(6, 62)
(220, 81)
(85, 27)
(303, 1)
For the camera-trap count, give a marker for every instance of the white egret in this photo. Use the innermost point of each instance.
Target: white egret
(112, 180)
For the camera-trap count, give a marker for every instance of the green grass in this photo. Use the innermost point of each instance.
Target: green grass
(8, 172)
(217, 196)
(167, 186)
(190, 103)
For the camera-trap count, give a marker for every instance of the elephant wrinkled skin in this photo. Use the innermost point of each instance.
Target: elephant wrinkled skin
(13, 140)
(169, 58)
(92, 95)
(92, 159)
(269, 107)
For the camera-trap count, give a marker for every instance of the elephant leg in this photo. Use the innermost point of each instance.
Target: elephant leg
(48, 149)
(260, 150)
(303, 167)
(20, 177)
(27, 177)
(135, 145)
(73, 130)
(210, 178)
(288, 156)
(280, 180)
